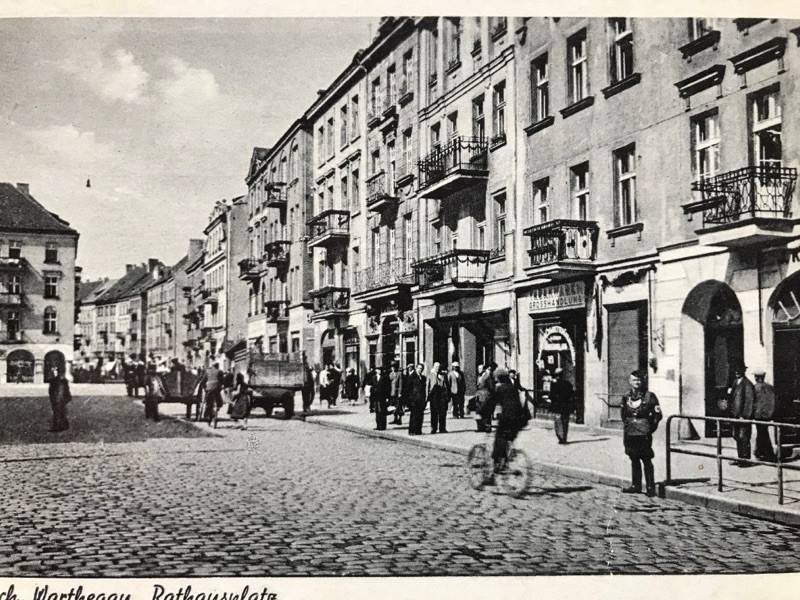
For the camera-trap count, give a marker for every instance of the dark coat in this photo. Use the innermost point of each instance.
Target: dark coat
(505, 396)
(417, 389)
(380, 391)
(743, 398)
(643, 420)
(562, 396)
(351, 386)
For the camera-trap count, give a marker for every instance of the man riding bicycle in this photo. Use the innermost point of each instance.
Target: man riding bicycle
(513, 417)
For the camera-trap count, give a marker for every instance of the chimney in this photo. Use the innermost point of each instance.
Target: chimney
(195, 249)
(24, 188)
(129, 268)
(152, 264)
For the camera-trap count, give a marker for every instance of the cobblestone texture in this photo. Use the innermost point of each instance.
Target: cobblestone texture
(292, 498)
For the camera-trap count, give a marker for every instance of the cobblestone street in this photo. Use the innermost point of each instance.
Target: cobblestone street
(293, 498)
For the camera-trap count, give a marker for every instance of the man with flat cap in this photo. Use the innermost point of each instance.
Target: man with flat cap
(743, 394)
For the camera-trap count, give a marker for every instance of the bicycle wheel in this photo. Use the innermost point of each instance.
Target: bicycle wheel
(479, 466)
(516, 477)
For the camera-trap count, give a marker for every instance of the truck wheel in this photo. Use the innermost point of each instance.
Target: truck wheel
(268, 409)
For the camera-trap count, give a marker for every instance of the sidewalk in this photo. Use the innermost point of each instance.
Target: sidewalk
(598, 456)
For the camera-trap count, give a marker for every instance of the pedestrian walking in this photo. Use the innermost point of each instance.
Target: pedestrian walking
(742, 394)
(486, 384)
(417, 398)
(350, 386)
(380, 397)
(438, 396)
(405, 401)
(763, 410)
(59, 393)
(308, 386)
(396, 393)
(457, 387)
(641, 414)
(242, 401)
(324, 385)
(335, 384)
(370, 380)
(211, 382)
(562, 397)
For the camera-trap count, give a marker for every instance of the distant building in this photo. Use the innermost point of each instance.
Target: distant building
(37, 287)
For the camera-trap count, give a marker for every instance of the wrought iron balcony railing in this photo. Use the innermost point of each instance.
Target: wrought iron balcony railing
(562, 239)
(379, 189)
(330, 298)
(328, 224)
(276, 253)
(465, 155)
(747, 193)
(248, 268)
(395, 272)
(276, 195)
(456, 267)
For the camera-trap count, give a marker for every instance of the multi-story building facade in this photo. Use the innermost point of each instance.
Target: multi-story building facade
(37, 287)
(277, 266)
(223, 297)
(193, 317)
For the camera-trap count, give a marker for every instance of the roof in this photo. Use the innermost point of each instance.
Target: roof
(86, 288)
(126, 286)
(97, 291)
(22, 212)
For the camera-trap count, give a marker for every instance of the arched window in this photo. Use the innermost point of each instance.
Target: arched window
(50, 321)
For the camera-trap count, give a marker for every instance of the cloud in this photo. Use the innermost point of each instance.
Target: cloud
(118, 77)
(72, 143)
(187, 84)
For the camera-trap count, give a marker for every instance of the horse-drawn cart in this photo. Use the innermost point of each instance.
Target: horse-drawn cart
(175, 386)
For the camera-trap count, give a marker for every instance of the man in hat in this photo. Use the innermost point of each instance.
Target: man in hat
(763, 410)
(641, 414)
(561, 397)
(743, 394)
(457, 388)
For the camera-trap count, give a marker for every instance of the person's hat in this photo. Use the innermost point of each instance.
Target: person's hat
(759, 372)
(501, 372)
(738, 364)
(455, 363)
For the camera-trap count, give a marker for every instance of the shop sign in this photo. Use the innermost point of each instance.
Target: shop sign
(565, 295)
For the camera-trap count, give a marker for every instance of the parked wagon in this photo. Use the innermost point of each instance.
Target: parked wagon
(175, 386)
(274, 379)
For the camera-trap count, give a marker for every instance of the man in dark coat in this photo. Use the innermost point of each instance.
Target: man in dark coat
(417, 397)
(380, 396)
(513, 416)
(211, 382)
(59, 393)
(763, 410)
(561, 398)
(641, 414)
(457, 387)
(308, 386)
(743, 395)
(438, 397)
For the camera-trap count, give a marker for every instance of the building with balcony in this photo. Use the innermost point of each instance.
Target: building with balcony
(37, 288)
(192, 318)
(278, 266)
(220, 299)
(666, 239)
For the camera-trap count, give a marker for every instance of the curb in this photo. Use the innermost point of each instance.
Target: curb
(705, 500)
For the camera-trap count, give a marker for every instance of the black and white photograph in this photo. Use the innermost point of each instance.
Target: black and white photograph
(314, 296)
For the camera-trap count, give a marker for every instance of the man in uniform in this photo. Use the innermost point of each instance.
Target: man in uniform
(641, 413)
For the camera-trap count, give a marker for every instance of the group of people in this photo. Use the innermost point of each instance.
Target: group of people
(223, 388)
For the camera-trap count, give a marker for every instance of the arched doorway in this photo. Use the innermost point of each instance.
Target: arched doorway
(19, 367)
(785, 308)
(53, 360)
(712, 341)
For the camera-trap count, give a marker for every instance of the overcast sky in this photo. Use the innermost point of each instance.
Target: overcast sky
(161, 114)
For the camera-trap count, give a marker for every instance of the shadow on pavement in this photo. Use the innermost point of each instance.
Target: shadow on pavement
(558, 490)
(600, 439)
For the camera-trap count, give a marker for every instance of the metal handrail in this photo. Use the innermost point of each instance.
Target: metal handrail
(778, 425)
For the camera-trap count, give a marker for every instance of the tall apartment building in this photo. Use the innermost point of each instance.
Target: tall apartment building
(37, 287)
(596, 195)
(277, 266)
(223, 297)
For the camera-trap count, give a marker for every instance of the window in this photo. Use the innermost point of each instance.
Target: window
(50, 322)
(12, 325)
(408, 242)
(375, 247)
(621, 51)
(354, 198)
(576, 61)
(51, 286)
(345, 281)
(766, 122)
(541, 206)
(391, 86)
(355, 125)
(282, 171)
(343, 192)
(499, 110)
(375, 98)
(375, 161)
(15, 249)
(698, 27)
(330, 137)
(291, 224)
(14, 285)
(51, 252)
(293, 164)
(499, 26)
(540, 89)
(579, 190)
(295, 342)
(480, 235)
(453, 47)
(452, 125)
(391, 171)
(390, 248)
(433, 43)
(406, 164)
(500, 223)
(705, 145)
(343, 126)
(625, 183)
(436, 237)
(478, 118)
(435, 137)
(407, 83)
(321, 144)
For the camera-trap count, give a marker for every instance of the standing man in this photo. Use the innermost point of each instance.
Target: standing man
(380, 396)
(58, 391)
(743, 395)
(438, 396)
(396, 393)
(763, 410)
(308, 385)
(336, 382)
(561, 396)
(211, 382)
(457, 387)
(641, 413)
(324, 385)
(417, 398)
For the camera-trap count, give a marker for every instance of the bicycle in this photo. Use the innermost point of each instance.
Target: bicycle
(512, 477)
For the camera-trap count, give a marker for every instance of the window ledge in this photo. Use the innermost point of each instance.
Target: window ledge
(498, 141)
(577, 106)
(499, 33)
(453, 66)
(625, 230)
(496, 258)
(52, 262)
(404, 180)
(539, 125)
(710, 39)
(405, 98)
(624, 84)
